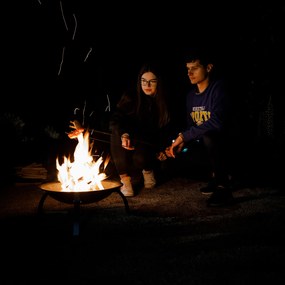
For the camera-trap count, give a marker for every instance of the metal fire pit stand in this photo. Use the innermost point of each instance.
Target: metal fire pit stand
(78, 198)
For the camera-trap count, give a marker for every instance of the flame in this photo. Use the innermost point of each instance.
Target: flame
(83, 173)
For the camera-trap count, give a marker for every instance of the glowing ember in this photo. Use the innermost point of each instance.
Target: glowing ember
(83, 173)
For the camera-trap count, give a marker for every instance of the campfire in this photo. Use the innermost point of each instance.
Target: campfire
(81, 178)
(81, 172)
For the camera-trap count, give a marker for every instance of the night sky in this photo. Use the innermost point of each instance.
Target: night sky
(62, 55)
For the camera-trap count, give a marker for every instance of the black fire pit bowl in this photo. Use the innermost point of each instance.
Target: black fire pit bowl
(53, 189)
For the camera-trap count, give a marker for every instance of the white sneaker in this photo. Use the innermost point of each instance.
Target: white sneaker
(149, 180)
(127, 188)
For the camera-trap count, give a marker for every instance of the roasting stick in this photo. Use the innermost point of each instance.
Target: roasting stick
(78, 129)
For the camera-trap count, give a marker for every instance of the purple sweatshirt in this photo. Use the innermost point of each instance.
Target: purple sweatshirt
(206, 111)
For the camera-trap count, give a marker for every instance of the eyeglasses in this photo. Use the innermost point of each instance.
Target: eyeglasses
(151, 82)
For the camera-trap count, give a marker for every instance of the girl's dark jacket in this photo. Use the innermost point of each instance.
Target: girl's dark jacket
(142, 126)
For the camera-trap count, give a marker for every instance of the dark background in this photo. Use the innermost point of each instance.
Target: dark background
(105, 43)
(170, 234)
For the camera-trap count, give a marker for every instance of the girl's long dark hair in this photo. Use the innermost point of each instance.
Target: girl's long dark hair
(161, 97)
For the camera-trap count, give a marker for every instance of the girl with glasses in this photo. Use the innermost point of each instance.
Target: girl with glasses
(140, 128)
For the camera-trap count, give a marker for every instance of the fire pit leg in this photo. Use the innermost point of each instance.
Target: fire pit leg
(76, 213)
(41, 203)
(76, 218)
(125, 201)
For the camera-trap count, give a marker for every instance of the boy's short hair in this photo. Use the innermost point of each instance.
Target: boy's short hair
(204, 55)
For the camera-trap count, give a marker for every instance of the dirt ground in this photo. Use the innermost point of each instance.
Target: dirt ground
(169, 236)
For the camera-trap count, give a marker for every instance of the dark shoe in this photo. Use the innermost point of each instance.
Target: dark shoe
(213, 184)
(209, 189)
(220, 197)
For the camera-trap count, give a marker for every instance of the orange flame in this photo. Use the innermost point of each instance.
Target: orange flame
(83, 173)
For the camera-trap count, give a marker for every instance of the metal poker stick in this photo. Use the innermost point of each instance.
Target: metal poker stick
(108, 134)
(79, 129)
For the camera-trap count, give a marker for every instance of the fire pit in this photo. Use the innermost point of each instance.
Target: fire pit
(81, 178)
(54, 190)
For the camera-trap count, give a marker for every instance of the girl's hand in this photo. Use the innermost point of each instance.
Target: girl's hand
(126, 142)
(161, 156)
